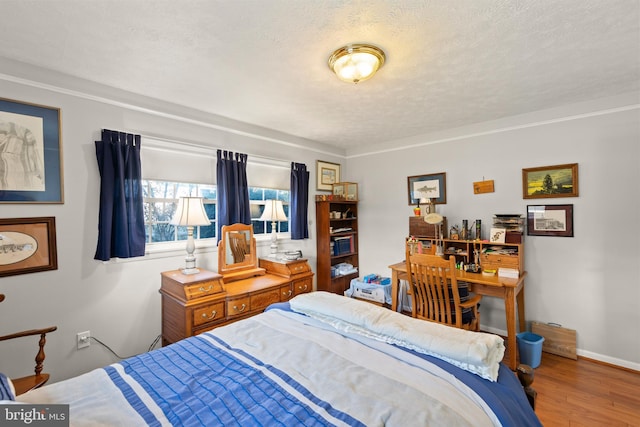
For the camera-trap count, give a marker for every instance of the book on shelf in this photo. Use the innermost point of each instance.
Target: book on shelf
(343, 245)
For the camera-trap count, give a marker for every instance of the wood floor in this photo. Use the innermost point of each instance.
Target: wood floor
(585, 393)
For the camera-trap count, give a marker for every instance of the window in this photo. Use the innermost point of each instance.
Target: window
(256, 197)
(161, 200)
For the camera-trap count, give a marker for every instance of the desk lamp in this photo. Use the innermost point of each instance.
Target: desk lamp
(273, 211)
(436, 219)
(190, 212)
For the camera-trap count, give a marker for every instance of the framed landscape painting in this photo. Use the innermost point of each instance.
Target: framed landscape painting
(550, 181)
(31, 155)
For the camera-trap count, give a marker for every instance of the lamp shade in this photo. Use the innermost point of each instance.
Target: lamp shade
(433, 218)
(190, 212)
(356, 63)
(273, 211)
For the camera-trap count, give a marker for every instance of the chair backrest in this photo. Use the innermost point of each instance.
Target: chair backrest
(435, 289)
(24, 384)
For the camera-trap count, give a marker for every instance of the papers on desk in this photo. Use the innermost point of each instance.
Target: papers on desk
(508, 273)
(500, 250)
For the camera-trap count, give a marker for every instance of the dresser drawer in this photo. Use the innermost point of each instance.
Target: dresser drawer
(238, 306)
(299, 267)
(302, 286)
(492, 261)
(286, 292)
(202, 289)
(208, 313)
(191, 287)
(262, 300)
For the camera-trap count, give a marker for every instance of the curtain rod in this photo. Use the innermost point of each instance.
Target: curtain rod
(166, 144)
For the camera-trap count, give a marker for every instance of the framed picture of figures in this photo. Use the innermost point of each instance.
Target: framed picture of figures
(30, 153)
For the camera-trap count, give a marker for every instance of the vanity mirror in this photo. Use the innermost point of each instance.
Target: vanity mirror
(237, 255)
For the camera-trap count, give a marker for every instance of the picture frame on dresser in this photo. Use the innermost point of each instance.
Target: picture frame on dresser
(27, 245)
(30, 131)
(550, 220)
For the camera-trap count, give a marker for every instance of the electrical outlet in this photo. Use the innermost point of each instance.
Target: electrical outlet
(84, 339)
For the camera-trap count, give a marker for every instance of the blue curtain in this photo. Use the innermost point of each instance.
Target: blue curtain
(121, 216)
(299, 207)
(233, 190)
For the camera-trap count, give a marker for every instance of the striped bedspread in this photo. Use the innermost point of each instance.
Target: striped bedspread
(283, 368)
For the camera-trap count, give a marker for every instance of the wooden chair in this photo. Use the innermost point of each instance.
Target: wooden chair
(436, 294)
(24, 384)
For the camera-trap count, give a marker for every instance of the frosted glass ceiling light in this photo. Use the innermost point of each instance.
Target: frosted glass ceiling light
(356, 63)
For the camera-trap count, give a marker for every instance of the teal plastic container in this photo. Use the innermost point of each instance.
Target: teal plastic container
(530, 348)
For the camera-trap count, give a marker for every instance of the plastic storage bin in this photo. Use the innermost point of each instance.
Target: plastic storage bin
(530, 348)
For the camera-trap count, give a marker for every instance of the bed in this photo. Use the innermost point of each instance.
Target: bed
(320, 359)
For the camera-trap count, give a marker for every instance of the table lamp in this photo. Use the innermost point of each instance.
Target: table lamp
(273, 211)
(436, 219)
(190, 212)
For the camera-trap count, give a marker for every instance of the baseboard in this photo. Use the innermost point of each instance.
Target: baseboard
(596, 357)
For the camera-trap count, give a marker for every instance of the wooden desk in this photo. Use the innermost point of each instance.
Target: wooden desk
(510, 290)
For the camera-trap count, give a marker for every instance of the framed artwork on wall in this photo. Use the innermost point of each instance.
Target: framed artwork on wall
(32, 153)
(327, 175)
(27, 245)
(550, 220)
(550, 181)
(432, 186)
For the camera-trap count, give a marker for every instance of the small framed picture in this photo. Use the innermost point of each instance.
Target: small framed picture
(27, 245)
(498, 235)
(327, 175)
(550, 181)
(550, 220)
(433, 186)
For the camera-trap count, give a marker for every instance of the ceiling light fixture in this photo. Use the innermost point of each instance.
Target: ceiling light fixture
(356, 63)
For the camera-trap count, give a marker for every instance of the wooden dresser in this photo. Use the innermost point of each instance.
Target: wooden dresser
(192, 304)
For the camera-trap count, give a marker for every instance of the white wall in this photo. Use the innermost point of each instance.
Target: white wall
(117, 301)
(590, 282)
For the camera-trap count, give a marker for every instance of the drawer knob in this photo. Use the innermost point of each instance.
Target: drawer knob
(241, 309)
(287, 293)
(303, 288)
(213, 315)
(202, 288)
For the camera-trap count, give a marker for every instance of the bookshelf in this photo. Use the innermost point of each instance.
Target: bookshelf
(337, 244)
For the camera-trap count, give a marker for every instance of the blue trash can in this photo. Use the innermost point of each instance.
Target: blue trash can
(530, 348)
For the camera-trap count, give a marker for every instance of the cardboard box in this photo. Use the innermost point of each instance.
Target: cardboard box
(557, 340)
(370, 291)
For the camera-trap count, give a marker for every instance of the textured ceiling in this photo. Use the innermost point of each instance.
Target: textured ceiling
(264, 62)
